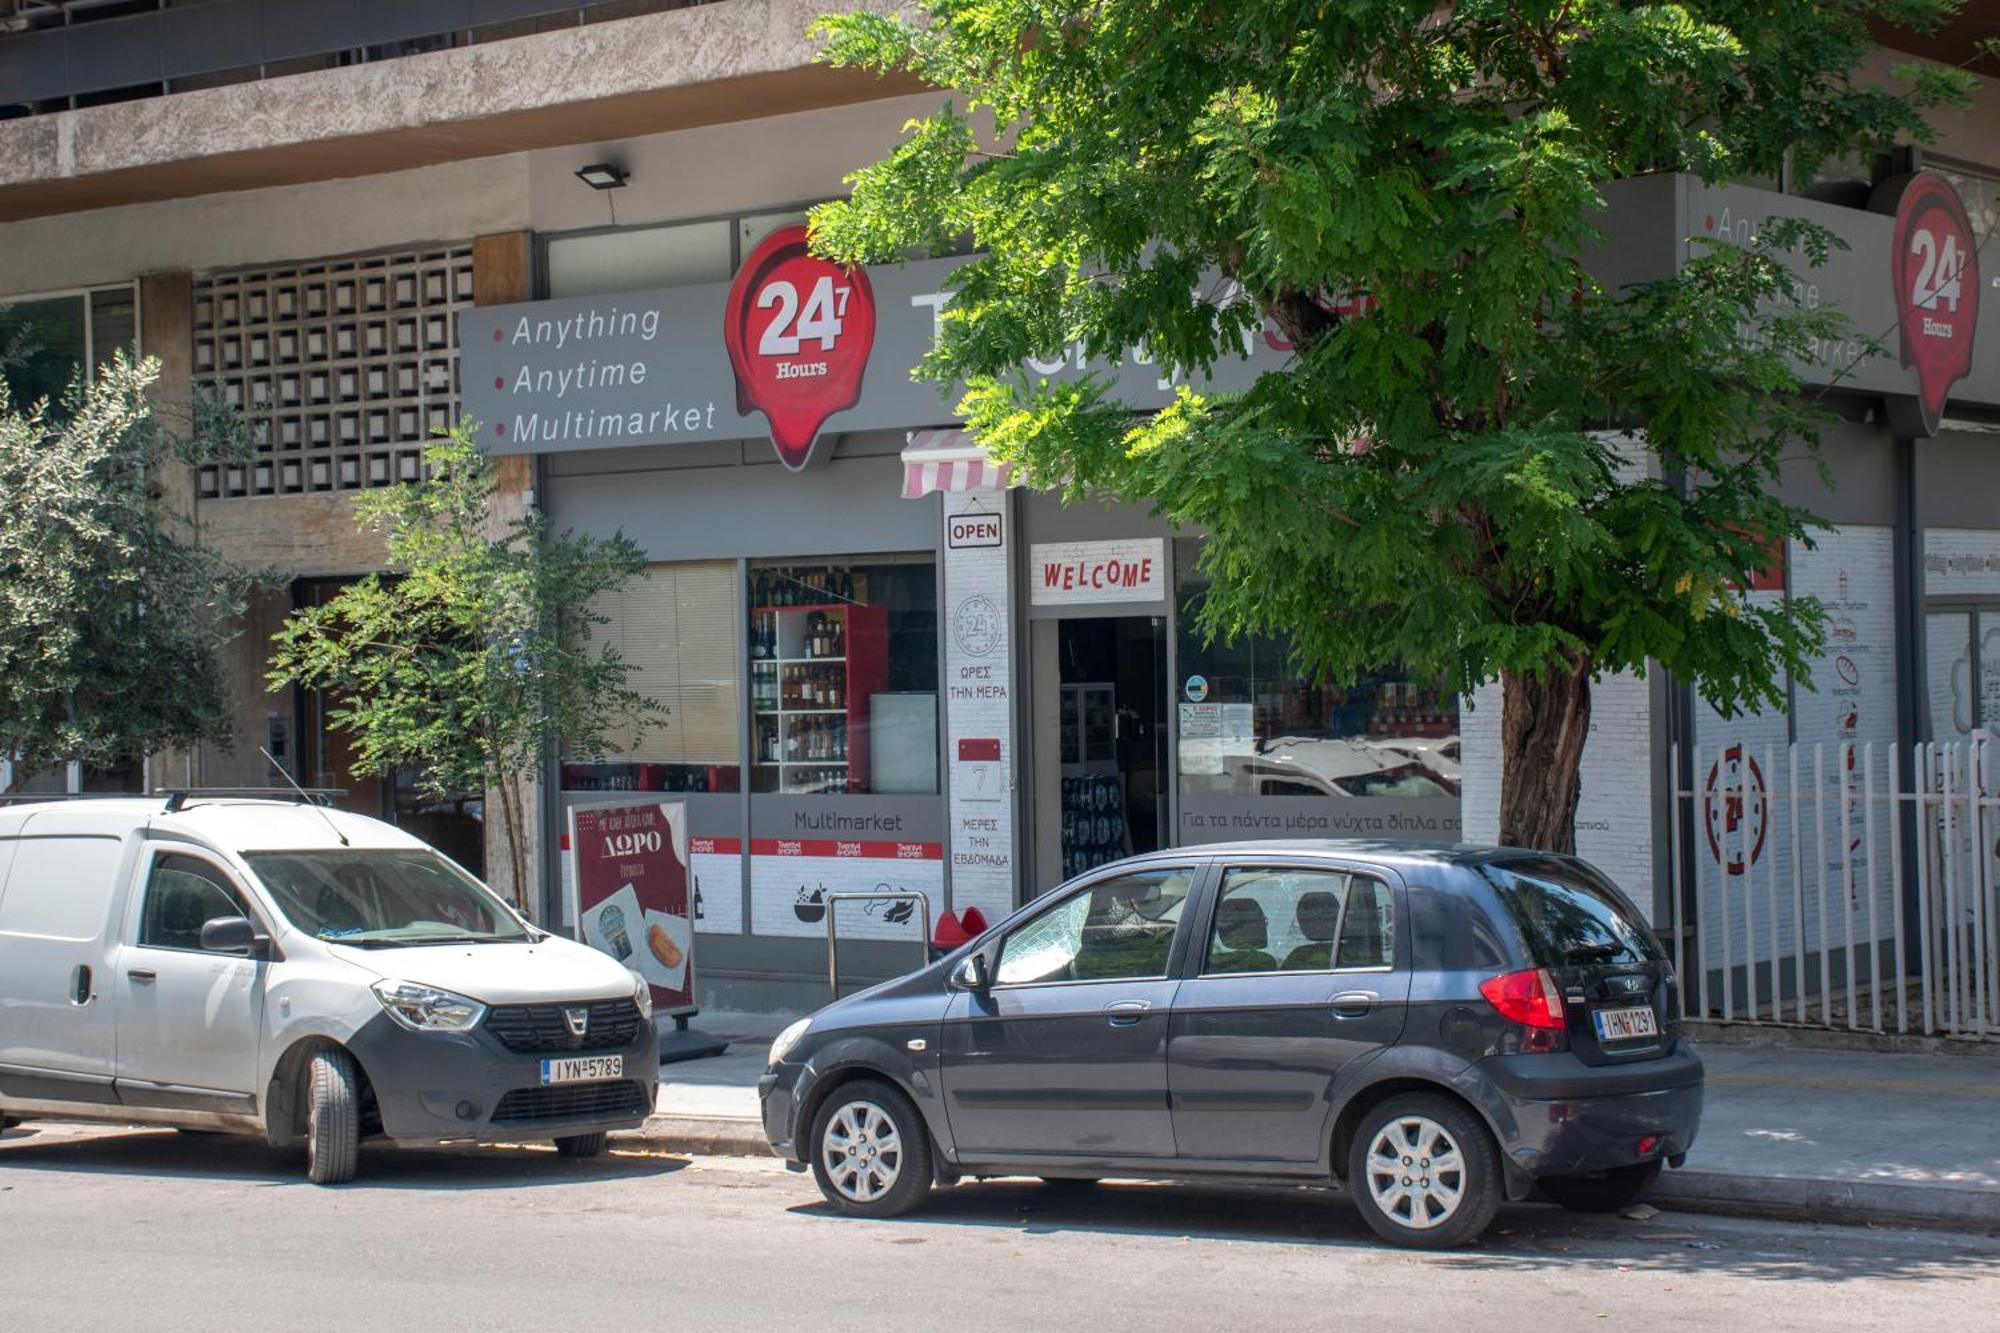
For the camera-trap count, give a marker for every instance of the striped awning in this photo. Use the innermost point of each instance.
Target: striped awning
(948, 461)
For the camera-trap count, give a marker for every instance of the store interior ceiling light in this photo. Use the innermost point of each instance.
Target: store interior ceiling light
(603, 176)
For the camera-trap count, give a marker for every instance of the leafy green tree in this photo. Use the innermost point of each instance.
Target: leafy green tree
(1432, 479)
(112, 618)
(474, 658)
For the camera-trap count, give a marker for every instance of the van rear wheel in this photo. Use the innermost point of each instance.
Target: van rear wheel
(333, 1117)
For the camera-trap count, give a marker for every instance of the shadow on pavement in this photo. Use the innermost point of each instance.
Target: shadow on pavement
(1525, 1237)
(167, 1154)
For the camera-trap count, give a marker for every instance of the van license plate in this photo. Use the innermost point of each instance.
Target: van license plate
(1626, 1024)
(585, 1069)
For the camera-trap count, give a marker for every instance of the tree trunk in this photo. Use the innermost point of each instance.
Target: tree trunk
(510, 809)
(1544, 721)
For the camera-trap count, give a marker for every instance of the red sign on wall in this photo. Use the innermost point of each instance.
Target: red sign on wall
(1934, 266)
(799, 330)
(632, 893)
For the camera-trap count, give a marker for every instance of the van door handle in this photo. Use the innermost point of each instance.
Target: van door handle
(79, 984)
(1354, 1003)
(142, 974)
(1125, 1013)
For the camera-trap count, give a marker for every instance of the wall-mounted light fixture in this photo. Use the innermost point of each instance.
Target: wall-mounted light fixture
(603, 176)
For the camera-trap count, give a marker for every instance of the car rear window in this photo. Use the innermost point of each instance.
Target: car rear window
(1569, 915)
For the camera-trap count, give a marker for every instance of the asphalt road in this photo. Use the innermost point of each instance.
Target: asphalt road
(149, 1229)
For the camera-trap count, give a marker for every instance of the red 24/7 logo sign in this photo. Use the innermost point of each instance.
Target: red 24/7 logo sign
(799, 330)
(1935, 269)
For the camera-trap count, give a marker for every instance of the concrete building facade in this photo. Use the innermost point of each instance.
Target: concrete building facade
(887, 669)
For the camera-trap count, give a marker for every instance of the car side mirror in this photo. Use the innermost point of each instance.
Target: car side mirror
(229, 934)
(971, 974)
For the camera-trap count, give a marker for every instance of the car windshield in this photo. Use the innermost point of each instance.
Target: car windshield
(383, 897)
(1569, 915)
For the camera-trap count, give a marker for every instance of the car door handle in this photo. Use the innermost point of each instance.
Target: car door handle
(1125, 1013)
(1354, 1003)
(79, 984)
(142, 974)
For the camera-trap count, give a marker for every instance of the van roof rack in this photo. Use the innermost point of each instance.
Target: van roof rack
(178, 797)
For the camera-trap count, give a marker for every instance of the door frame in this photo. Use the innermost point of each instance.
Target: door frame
(1040, 726)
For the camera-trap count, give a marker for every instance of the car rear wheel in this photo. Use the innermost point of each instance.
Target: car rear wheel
(333, 1117)
(584, 1145)
(871, 1154)
(1424, 1173)
(1613, 1191)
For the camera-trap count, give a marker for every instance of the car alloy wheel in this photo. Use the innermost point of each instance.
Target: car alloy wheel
(1416, 1174)
(862, 1151)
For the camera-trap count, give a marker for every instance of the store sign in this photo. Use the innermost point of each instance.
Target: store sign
(1068, 573)
(792, 349)
(979, 708)
(1914, 237)
(799, 330)
(632, 878)
(1934, 270)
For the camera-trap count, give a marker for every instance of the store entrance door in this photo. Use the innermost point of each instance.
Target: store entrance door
(1101, 721)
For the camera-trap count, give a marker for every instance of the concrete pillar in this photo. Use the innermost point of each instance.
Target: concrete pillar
(503, 272)
(166, 334)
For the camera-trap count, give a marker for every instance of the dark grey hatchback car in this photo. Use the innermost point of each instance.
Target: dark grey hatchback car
(1436, 1028)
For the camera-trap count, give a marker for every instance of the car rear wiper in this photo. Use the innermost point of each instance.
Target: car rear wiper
(1598, 952)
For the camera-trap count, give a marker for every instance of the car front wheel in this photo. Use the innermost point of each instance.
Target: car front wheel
(584, 1145)
(871, 1155)
(1424, 1173)
(1612, 1192)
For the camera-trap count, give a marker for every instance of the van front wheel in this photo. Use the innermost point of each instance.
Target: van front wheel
(333, 1117)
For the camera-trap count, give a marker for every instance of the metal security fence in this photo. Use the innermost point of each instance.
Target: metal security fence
(1844, 885)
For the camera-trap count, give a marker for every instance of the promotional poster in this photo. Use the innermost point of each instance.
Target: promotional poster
(633, 893)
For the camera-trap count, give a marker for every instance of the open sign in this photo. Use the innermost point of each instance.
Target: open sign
(966, 531)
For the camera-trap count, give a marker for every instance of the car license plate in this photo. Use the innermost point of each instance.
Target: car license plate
(583, 1069)
(1626, 1024)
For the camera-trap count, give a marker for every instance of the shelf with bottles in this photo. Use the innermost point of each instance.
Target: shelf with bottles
(791, 738)
(814, 666)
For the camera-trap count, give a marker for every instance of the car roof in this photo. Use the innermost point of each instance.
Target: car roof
(1381, 851)
(237, 824)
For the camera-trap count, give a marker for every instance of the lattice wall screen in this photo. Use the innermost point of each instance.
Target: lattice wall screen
(341, 368)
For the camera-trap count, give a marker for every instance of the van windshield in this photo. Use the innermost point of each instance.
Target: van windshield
(383, 897)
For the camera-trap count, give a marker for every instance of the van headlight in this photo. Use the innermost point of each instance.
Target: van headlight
(788, 1039)
(642, 995)
(426, 1008)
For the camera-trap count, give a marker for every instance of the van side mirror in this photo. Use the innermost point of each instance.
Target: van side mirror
(971, 974)
(229, 934)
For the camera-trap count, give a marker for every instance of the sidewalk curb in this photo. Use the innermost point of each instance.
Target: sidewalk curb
(1854, 1203)
(700, 1136)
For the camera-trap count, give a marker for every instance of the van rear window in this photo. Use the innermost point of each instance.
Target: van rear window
(1569, 915)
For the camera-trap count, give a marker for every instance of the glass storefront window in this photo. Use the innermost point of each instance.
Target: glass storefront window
(844, 677)
(676, 626)
(1251, 725)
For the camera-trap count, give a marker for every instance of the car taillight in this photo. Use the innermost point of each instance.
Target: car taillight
(1529, 998)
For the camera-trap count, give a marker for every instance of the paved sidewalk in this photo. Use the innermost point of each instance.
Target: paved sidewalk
(1788, 1131)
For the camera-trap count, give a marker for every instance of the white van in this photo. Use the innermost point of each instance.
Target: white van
(298, 973)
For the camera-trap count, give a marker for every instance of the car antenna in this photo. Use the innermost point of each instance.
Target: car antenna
(284, 773)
